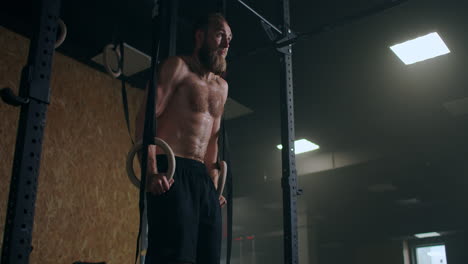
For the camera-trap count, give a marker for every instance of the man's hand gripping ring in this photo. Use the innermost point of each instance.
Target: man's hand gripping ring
(138, 147)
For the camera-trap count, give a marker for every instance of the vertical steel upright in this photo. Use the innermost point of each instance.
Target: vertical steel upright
(289, 175)
(35, 95)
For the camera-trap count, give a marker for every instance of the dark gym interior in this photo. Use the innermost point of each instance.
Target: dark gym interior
(392, 157)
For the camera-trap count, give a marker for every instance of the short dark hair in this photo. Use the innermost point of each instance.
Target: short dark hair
(205, 21)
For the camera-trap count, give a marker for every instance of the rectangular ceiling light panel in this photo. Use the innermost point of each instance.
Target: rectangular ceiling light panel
(302, 145)
(420, 49)
(430, 234)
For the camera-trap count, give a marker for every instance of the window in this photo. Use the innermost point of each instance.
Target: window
(433, 254)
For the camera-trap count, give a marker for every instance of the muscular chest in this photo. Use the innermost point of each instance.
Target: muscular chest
(202, 96)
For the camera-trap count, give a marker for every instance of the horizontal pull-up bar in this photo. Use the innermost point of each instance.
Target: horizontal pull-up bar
(260, 16)
(326, 27)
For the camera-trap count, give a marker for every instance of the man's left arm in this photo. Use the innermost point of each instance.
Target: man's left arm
(211, 157)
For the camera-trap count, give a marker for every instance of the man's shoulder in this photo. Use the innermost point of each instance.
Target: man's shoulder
(222, 82)
(174, 67)
(175, 62)
(190, 64)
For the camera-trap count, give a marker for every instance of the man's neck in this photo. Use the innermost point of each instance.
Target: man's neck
(201, 70)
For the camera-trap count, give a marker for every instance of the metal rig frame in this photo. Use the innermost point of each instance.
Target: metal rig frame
(34, 96)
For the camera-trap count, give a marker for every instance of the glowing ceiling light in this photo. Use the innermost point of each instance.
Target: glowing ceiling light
(419, 49)
(430, 234)
(302, 145)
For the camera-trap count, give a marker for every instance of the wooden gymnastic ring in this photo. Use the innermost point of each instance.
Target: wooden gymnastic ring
(63, 33)
(222, 177)
(139, 146)
(105, 61)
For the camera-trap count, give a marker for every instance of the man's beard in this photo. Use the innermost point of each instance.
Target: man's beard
(211, 60)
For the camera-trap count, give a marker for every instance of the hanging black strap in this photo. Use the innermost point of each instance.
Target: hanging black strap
(149, 131)
(225, 156)
(121, 63)
(224, 153)
(124, 90)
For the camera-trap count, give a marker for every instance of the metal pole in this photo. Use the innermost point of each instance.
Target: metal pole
(35, 89)
(254, 255)
(289, 177)
(241, 242)
(289, 174)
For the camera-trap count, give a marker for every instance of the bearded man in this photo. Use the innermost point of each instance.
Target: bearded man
(184, 213)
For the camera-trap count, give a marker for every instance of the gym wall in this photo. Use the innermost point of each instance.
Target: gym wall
(384, 252)
(381, 252)
(86, 208)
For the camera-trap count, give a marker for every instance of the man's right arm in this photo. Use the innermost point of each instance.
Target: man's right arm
(170, 75)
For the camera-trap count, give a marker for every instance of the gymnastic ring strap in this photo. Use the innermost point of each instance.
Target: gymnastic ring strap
(222, 177)
(138, 147)
(63, 33)
(105, 53)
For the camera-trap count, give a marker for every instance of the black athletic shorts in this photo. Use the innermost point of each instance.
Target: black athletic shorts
(184, 224)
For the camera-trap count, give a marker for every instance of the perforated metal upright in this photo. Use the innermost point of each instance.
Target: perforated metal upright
(35, 95)
(289, 174)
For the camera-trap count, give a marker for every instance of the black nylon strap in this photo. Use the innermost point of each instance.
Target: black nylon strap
(224, 146)
(149, 131)
(222, 7)
(127, 120)
(124, 92)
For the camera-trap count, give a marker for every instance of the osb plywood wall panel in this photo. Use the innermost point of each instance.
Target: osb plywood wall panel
(86, 208)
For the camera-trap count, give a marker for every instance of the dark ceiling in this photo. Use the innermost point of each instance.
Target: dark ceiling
(377, 121)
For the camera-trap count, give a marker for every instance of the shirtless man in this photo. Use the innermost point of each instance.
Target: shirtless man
(184, 215)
